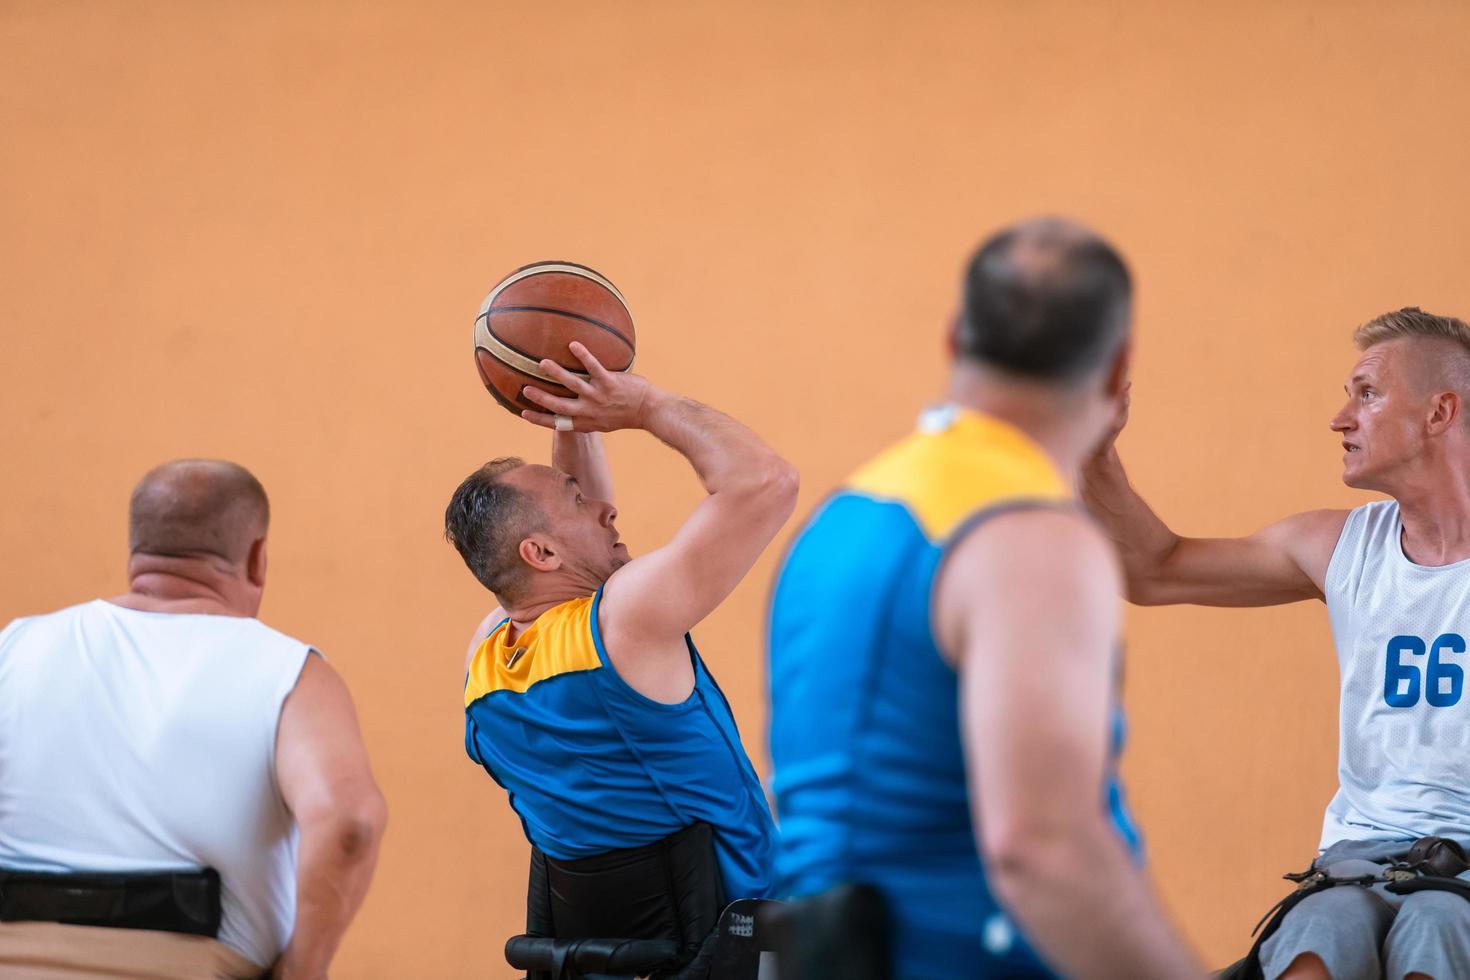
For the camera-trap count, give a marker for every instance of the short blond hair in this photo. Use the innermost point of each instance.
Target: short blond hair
(1411, 322)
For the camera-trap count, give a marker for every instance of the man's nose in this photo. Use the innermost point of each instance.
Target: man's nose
(609, 514)
(1342, 421)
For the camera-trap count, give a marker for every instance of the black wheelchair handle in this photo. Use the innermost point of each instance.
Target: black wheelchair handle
(638, 956)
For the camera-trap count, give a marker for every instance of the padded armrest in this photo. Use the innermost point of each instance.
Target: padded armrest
(640, 956)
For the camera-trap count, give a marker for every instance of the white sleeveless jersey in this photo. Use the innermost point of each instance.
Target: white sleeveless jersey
(141, 741)
(1401, 631)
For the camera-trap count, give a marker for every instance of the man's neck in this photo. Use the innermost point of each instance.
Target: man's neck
(167, 584)
(546, 596)
(1435, 511)
(1041, 414)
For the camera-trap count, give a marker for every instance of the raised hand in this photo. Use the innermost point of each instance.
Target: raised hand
(1119, 421)
(606, 400)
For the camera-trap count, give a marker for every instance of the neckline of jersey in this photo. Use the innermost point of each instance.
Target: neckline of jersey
(975, 424)
(1398, 549)
(504, 648)
(110, 605)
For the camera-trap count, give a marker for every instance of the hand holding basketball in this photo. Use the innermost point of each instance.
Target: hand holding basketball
(605, 400)
(535, 313)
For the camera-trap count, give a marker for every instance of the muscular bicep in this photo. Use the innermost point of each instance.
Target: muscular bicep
(1284, 562)
(321, 762)
(666, 592)
(1028, 611)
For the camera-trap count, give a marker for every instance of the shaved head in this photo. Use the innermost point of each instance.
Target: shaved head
(1436, 348)
(1439, 364)
(196, 508)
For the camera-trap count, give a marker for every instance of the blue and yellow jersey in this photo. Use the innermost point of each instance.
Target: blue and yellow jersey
(868, 769)
(591, 765)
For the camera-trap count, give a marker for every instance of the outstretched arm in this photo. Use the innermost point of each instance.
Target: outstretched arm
(1027, 609)
(323, 773)
(1284, 562)
(751, 492)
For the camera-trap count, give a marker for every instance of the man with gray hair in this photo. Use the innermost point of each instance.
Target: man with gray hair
(1395, 575)
(183, 790)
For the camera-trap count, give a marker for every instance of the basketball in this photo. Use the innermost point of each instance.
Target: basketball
(535, 313)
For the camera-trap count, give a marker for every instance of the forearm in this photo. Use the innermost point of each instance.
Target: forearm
(1144, 541)
(724, 453)
(582, 455)
(1088, 908)
(336, 860)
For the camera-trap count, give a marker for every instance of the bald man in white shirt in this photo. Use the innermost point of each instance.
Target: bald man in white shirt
(167, 730)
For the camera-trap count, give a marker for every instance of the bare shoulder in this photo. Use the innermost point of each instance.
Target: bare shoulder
(1309, 538)
(629, 589)
(483, 630)
(1055, 556)
(1321, 526)
(650, 656)
(317, 679)
(1041, 539)
(319, 698)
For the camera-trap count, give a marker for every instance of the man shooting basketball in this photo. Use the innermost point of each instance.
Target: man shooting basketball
(585, 697)
(1396, 582)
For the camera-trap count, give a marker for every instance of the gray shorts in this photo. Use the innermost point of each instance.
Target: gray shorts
(1370, 933)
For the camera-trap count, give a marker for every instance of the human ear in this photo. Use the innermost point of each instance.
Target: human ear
(537, 552)
(1444, 412)
(255, 564)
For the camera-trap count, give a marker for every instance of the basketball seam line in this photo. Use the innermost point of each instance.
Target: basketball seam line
(514, 359)
(541, 268)
(526, 363)
(551, 309)
(510, 404)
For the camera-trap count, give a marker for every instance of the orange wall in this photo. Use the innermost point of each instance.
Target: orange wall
(261, 231)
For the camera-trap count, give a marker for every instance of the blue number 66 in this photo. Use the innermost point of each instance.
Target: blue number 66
(1401, 681)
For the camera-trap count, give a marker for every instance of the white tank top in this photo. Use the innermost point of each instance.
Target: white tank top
(1401, 631)
(141, 741)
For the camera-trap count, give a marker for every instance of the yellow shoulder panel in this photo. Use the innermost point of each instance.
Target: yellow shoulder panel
(957, 463)
(558, 642)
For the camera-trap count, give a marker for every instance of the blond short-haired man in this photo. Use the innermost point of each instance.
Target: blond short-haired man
(1395, 576)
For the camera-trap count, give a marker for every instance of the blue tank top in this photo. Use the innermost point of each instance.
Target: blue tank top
(591, 765)
(868, 768)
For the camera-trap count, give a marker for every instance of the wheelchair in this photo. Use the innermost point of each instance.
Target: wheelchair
(653, 911)
(659, 911)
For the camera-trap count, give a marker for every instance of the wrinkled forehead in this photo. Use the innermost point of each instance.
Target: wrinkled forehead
(545, 483)
(1381, 363)
(1368, 363)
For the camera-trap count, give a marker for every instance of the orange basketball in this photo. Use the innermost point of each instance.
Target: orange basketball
(535, 313)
